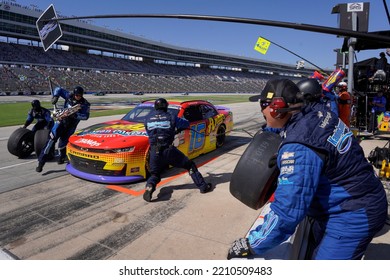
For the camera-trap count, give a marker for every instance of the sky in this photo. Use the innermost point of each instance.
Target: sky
(229, 38)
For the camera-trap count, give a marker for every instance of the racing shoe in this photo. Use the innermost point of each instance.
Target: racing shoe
(61, 160)
(149, 189)
(207, 189)
(39, 168)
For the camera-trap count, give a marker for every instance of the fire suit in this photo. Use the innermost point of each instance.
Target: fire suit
(323, 175)
(64, 128)
(161, 128)
(344, 107)
(43, 117)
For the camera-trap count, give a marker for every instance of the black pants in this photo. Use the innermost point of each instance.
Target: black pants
(161, 159)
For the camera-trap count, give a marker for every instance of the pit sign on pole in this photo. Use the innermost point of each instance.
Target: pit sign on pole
(49, 29)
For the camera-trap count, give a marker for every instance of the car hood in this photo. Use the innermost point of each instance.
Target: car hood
(113, 134)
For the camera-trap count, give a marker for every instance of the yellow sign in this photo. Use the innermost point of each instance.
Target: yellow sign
(262, 45)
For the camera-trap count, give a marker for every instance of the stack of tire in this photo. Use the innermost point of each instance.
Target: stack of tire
(23, 142)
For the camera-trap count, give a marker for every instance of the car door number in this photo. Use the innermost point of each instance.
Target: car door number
(198, 136)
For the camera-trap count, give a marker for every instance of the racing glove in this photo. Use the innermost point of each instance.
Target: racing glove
(54, 100)
(240, 249)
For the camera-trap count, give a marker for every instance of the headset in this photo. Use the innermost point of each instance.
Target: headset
(279, 107)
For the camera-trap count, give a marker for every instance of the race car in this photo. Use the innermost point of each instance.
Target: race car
(116, 152)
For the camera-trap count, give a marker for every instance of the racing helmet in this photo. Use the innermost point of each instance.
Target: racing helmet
(310, 89)
(78, 91)
(36, 105)
(161, 104)
(342, 85)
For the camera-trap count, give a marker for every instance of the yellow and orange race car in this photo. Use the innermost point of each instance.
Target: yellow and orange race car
(116, 152)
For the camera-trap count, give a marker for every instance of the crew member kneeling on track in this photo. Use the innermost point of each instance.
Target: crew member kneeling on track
(161, 128)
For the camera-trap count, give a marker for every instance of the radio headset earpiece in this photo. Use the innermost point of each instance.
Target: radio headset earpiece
(276, 108)
(281, 93)
(279, 107)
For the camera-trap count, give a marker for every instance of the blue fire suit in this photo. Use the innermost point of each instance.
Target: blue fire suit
(43, 117)
(161, 128)
(64, 128)
(323, 175)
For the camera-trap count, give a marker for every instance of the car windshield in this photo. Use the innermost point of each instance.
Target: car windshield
(139, 113)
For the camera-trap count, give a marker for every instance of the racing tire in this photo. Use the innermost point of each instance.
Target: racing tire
(21, 142)
(40, 140)
(253, 180)
(221, 135)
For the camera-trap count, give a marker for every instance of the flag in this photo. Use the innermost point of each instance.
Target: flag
(49, 29)
(262, 45)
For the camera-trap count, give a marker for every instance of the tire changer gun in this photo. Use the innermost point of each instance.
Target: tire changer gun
(60, 114)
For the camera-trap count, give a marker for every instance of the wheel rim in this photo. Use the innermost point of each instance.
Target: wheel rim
(27, 146)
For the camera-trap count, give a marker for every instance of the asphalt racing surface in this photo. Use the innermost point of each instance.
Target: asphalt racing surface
(55, 216)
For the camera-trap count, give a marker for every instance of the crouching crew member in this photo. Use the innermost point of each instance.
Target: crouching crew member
(161, 127)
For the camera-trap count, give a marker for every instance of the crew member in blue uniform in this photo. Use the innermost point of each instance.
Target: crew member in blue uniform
(161, 127)
(39, 113)
(63, 128)
(323, 174)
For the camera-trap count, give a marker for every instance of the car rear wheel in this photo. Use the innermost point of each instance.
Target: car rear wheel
(21, 142)
(221, 135)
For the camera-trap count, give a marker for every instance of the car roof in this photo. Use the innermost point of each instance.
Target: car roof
(178, 102)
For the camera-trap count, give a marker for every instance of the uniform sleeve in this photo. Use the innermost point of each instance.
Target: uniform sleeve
(29, 119)
(83, 114)
(47, 116)
(60, 92)
(182, 123)
(300, 170)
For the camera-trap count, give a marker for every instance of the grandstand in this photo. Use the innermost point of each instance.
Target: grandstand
(103, 60)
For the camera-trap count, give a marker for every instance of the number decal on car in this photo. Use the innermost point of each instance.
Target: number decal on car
(197, 136)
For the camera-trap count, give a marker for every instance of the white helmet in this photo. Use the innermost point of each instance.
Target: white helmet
(342, 84)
